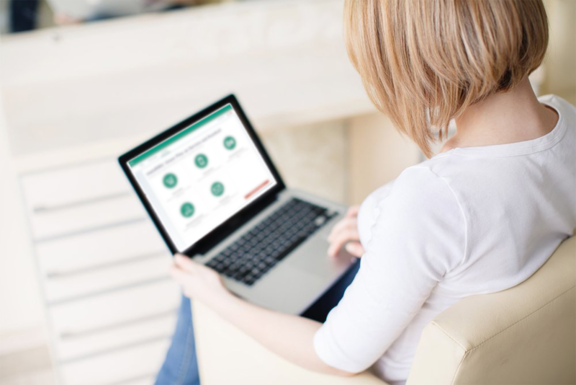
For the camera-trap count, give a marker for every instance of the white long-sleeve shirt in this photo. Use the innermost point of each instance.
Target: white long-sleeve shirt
(468, 221)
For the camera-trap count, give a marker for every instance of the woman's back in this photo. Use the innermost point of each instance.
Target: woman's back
(519, 201)
(469, 221)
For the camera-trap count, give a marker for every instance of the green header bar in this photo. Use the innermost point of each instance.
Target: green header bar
(179, 135)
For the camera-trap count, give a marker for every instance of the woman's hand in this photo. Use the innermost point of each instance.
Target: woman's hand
(198, 281)
(289, 336)
(345, 233)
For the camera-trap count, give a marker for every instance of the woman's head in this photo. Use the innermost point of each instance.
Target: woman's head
(423, 62)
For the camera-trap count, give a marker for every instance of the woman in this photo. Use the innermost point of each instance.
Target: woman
(481, 216)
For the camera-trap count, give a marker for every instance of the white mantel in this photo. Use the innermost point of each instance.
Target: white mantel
(285, 60)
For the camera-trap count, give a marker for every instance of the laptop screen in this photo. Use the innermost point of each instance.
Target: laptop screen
(198, 178)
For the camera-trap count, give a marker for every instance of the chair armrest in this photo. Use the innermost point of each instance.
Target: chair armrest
(525, 334)
(228, 356)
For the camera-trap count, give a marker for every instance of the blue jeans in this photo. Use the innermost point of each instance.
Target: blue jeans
(180, 366)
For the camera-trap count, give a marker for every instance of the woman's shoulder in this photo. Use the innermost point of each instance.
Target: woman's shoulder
(421, 190)
(420, 212)
(423, 176)
(416, 192)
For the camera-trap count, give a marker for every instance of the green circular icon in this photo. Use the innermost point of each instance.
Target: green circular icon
(170, 180)
(229, 142)
(201, 160)
(187, 210)
(217, 189)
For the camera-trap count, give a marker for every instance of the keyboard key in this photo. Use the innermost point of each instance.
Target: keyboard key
(259, 250)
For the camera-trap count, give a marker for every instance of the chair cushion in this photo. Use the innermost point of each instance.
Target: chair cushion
(523, 335)
(227, 356)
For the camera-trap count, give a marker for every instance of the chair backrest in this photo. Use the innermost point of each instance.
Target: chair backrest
(523, 335)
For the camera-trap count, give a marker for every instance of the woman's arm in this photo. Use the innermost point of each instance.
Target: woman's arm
(291, 337)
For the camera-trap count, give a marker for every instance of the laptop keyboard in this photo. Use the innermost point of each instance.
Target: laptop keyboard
(257, 251)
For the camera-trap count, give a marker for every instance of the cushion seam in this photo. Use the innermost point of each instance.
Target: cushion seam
(449, 336)
(435, 324)
(458, 368)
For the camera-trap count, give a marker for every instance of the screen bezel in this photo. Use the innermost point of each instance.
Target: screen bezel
(234, 222)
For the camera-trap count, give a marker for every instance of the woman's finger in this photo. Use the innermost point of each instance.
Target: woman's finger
(350, 229)
(185, 263)
(351, 215)
(333, 249)
(178, 274)
(353, 211)
(349, 234)
(339, 241)
(344, 224)
(355, 248)
(337, 227)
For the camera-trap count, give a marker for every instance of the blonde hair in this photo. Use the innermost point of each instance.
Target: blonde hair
(423, 62)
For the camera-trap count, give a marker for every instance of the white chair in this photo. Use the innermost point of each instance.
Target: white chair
(523, 335)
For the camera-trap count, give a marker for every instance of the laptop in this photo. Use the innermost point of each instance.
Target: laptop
(214, 194)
